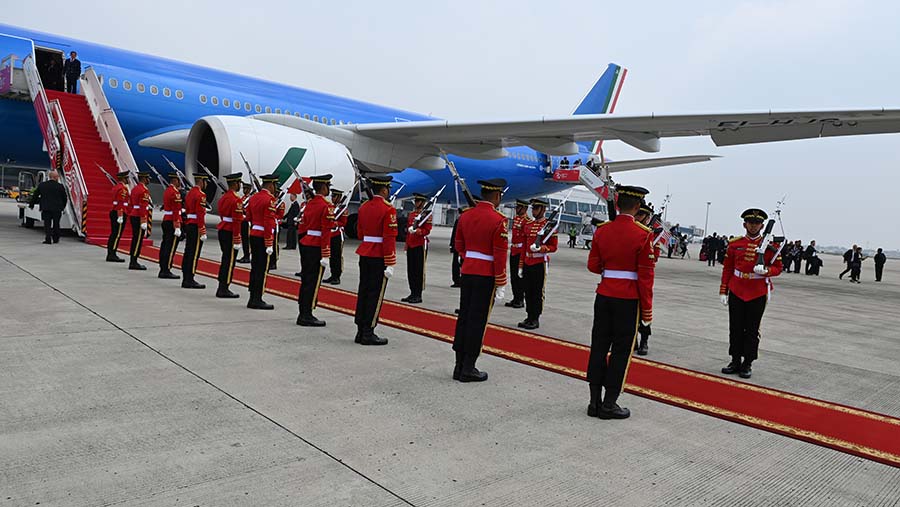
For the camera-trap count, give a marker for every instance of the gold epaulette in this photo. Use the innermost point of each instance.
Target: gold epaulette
(604, 223)
(642, 226)
(732, 240)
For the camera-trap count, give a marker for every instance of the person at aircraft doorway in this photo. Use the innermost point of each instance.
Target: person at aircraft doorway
(516, 249)
(140, 216)
(337, 240)
(231, 213)
(416, 250)
(315, 249)
(194, 231)
(533, 264)
(246, 193)
(745, 290)
(171, 226)
(72, 71)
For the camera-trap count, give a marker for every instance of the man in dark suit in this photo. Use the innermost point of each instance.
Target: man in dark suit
(72, 70)
(51, 196)
(289, 224)
(880, 259)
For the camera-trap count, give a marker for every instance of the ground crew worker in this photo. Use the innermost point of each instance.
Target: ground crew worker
(533, 264)
(516, 248)
(745, 289)
(194, 231)
(315, 249)
(171, 227)
(117, 214)
(644, 216)
(481, 239)
(416, 250)
(231, 213)
(260, 212)
(377, 228)
(622, 253)
(337, 239)
(139, 208)
(246, 193)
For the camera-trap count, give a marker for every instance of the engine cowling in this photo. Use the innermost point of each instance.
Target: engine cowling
(218, 142)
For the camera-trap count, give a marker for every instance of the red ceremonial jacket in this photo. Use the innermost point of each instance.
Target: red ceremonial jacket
(195, 207)
(172, 206)
(121, 200)
(420, 237)
(531, 229)
(139, 203)
(231, 211)
(376, 226)
(737, 270)
(481, 240)
(316, 221)
(518, 234)
(621, 252)
(260, 213)
(339, 224)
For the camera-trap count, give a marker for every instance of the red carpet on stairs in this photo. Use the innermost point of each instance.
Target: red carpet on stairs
(840, 427)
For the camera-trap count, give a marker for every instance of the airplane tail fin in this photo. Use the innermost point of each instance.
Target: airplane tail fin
(602, 98)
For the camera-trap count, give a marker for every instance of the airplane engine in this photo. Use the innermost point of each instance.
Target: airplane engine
(221, 143)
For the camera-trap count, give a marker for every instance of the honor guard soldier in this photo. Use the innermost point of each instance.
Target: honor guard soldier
(194, 231)
(377, 228)
(171, 226)
(644, 216)
(482, 240)
(120, 209)
(416, 250)
(533, 264)
(231, 213)
(337, 240)
(515, 253)
(622, 253)
(246, 193)
(315, 249)
(139, 207)
(745, 289)
(260, 212)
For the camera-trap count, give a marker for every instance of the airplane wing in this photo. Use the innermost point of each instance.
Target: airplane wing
(646, 163)
(556, 135)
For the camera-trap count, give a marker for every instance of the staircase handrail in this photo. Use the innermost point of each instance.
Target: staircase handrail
(38, 96)
(107, 122)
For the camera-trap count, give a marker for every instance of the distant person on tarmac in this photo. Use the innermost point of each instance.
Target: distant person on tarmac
(72, 70)
(848, 256)
(880, 259)
(51, 196)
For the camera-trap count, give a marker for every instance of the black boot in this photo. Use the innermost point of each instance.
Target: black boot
(643, 349)
(613, 411)
(259, 305)
(733, 367)
(224, 293)
(458, 367)
(135, 265)
(594, 406)
(360, 332)
(192, 284)
(114, 258)
(468, 372)
(335, 281)
(746, 370)
(309, 321)
(167, 275)
(370, 338)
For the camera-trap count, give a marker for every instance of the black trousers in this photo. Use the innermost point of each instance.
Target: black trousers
(137, 238)
(276, 252)
(115, 234)
(192, 247)
(51, 224)
(167, 247)
(614, 331)
(229, 256)
(245, 238)
(372, 284)
(533, 278)
(259, 268)
(518, 286)
(744, 318)
(337, 256)
(290, 238)
(855, 271)
(879, 269)
(310, 279)
(710, 259)
(72, 84)
(415, 270)
(476, 300)
(844, 272)
(454, 268)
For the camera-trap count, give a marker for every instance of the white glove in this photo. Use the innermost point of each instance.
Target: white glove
(761, 270)
(325, 262)
(120, 220)
(389, 272)
(411, 229)
(646, 323)
(203, 238)
(144, 226)
(534, 248)
(236, 246)
(520, 273)
(500, 294)
(269, 250)
(178, 232)
(724, 299)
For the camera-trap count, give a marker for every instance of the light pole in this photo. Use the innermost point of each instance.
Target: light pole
(706, 223)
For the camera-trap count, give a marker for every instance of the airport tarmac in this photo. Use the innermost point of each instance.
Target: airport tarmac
(119, 388)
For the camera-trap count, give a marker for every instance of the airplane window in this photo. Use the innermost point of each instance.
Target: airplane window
(215, 101)
(306, 116)
(297, 114)
(325, 120)
(179, 94)
(333, 122)
(113, 82)
(237, 104)
(315, 118)
(167, 92)
(268, 109)
(340, 122)
(277, 110)
(287, 112)
(226, 102)
(247, 107)
(203, 99)
(154, 90)
(140, 88)
(126, 85)
(258, 108)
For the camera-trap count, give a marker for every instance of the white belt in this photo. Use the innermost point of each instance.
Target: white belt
(168, 213)
(137, 207)
(314, 233)
(258, 228)
(115, 202)
(623, 275)
(373, 239)
(227, 219)
(191, 215)
(336, 229)
(534, 255)
(517, 245)
(747, 276)
(478, 255)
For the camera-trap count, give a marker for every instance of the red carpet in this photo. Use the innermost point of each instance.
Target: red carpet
(851, 430)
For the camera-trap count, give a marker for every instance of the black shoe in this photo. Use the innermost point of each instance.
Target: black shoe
(298, 274)
(456, 370)
(413, 300)
(643, 349)
(192, 285)
(243, 260)
(841, 276)
(328, 280)
(372, 339)
(168, 275)
(518, 304)
(455, 285)
(309, 321)
(56, 240)
(732, 368)
(226, 294)
(746, 371)
(114, 259)
(47, 242)
(456, 311)
(358, 338)
(530, 324)
(137, 267)
(613, 411)
(524, 323)
(406, 299)
(335, 281)
(472, 375)
(594, 405)
(260, 305)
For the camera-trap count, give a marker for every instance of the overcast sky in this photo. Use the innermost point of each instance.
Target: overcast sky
(466, 59)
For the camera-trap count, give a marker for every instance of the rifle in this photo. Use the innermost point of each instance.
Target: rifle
(361, 180)
(162, 181)
(428, 210)
(396, 192)
(254, 182)
(552, 224)
(211, 176)
(344, 205)
(181, 176)
(764, 244)
(112, 180)
(470, 198)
